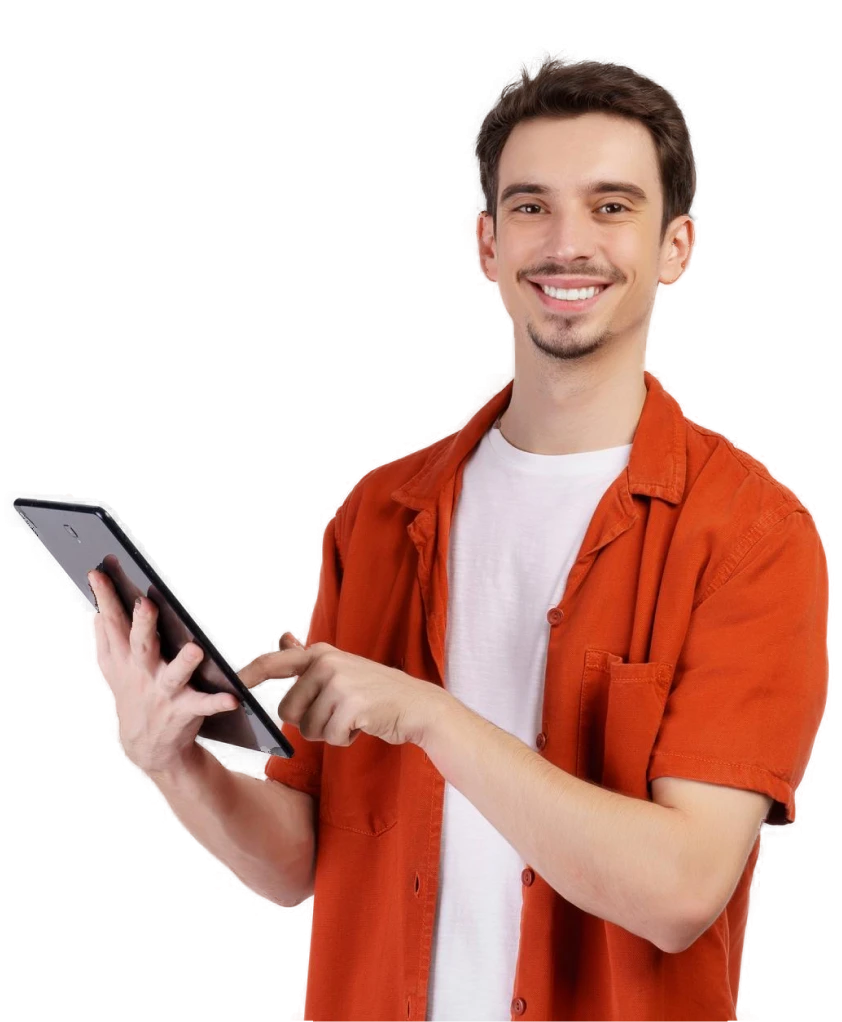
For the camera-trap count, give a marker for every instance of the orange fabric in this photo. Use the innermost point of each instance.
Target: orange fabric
(691, 641)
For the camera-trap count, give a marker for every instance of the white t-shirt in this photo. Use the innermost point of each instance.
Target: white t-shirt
(518, 526)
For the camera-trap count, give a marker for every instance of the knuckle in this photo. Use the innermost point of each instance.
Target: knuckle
(171, 678)
(138, 645)
(144, 631)
(297, 718)
(331, 658)
(139, 648)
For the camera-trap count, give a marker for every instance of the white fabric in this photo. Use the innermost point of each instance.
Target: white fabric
(518, 526)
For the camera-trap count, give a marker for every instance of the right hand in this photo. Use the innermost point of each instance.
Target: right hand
(159, 713)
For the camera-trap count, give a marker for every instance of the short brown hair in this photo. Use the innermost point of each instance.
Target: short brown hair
(563, 90)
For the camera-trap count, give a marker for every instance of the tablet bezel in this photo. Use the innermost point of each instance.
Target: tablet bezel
(213, 726)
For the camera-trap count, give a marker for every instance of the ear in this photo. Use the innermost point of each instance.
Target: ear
(479, 232)
(680, 245)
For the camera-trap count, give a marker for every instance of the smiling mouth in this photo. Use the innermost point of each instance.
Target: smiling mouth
(561, 305)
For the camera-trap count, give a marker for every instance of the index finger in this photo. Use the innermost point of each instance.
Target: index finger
(114, 620)
(284, 664)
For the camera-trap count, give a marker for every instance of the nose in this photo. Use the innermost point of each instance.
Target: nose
(570, 236)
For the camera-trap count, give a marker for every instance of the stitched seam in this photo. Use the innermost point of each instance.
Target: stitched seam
(660, 668)
(356, 830)
(723, 762)
(759, 530)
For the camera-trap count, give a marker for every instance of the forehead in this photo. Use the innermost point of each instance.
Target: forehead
(564, 151)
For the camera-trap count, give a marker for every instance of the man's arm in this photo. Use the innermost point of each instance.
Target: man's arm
(613, 856)
(263, 831)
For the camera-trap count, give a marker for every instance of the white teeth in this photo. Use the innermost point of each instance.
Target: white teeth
(574, 294)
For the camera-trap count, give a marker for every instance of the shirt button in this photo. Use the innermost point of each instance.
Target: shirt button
(541, 740)
(527, 876)
(518, 1006)
(554, 615)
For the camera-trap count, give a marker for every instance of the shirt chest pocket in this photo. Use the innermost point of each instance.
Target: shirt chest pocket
(620, 714)
(360, 785)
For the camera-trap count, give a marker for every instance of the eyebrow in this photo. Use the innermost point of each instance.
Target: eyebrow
(592, 188)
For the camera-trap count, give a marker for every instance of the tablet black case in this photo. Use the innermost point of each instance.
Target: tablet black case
(83, 537)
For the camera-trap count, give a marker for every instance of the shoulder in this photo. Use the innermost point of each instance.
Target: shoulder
(371, 496)
(731, 502)
(719, 461)
(734, 479)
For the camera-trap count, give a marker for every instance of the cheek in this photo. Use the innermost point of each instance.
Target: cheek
(628, 248)
(513, 294)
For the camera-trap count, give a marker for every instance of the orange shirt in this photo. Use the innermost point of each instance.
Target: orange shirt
(691, 641)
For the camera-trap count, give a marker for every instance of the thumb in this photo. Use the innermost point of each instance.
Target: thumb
(285, 641)
(219, 703)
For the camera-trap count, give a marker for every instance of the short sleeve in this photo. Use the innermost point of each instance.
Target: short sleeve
(304, 770)
(750, 685)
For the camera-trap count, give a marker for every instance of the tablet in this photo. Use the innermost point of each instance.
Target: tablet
(83, 537)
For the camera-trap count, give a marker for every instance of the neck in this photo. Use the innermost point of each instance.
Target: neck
(573, 415)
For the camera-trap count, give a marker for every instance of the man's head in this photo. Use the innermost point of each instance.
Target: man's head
(576, 136)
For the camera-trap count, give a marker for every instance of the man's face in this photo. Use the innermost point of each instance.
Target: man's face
(572, 230)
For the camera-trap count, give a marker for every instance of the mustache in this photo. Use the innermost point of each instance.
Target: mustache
(554, 271)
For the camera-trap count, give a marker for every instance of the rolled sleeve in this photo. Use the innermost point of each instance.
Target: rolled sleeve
(750, 686)
(304, 770)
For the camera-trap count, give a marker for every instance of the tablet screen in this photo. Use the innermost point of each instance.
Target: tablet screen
(82, 537)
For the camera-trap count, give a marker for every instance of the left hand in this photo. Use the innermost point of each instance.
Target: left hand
(339, 694)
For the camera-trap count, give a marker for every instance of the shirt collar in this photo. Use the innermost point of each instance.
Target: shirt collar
(657, 462)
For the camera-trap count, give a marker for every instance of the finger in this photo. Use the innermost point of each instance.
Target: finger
(288, 640)
(285, 664)
(180, 669)
(97, 648)
(96, 636)
(112, 568)
(325, 720)
(101, 639)
(114, 618)
(204, 704)
(307, 703)
(143, 637)
(317, 710)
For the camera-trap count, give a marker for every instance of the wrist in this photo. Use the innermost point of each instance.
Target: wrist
(440, 707)
(184, 764)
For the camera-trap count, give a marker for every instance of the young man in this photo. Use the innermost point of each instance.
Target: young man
(563, 662)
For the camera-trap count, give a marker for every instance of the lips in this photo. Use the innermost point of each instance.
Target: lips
(559, 305)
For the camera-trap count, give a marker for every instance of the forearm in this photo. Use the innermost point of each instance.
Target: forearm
(257, 828)
(613, 856)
